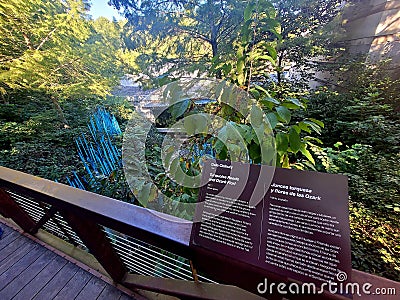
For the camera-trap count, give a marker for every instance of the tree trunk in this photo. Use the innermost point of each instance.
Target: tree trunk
(279, 72)
(214, 46)
(279, 69)
(60, 112)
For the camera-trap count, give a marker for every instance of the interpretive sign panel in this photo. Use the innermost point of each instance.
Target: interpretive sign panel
(293, 223)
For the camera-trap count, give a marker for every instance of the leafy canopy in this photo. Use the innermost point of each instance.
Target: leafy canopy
(181, 33)
(53, 47)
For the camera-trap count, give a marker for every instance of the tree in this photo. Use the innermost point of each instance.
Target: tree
(305, 35)
(255, 54)
(251, 56)
(201, 33)
(205, 29)
(53, 47)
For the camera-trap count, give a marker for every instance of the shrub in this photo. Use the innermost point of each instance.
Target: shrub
(374, 205)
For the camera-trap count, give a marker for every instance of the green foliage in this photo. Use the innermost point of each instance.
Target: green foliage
(256, 47)
(52, 47)
(309, 31)
(245, 134)
(170, 187)
(361, 114)
(33, 139)
(255, 59)
(54, 59)
(175, 38)
(374, 205)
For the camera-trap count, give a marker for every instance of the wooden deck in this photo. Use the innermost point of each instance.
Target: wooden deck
(30, 271)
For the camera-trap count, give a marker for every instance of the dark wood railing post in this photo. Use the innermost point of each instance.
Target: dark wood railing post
(96, 241)
(10, 209)
(194, 271)
(47, 216)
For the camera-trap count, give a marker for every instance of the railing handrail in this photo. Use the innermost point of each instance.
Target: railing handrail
(150, 226)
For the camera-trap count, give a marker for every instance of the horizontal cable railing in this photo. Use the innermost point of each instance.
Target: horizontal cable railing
(56, 225)
(142, 258)
(138, 257)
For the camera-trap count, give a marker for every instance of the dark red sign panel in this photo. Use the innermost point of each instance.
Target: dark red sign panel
(293, 223)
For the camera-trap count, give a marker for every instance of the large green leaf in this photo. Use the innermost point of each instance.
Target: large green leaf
(294, 140)
(241, 76)
(168, 152)
(260, 88)
(218, 146)
(303, 126)
(245, 31)
(190, 126)
(256, 116)
(283, 113)
(318, 122)
(248, 11)
(285, 161)
(307, 153)
(245, 131)
(144, 194)
(256, 94)
(179, 108)
(272, 51)
(227, 68)
(313, 126)
(269, 100)
(311, 138)
(268, 150)
(195, 124)
(234, 150)
(273, 120)
(267, 57)
(222, 134)
(254, 151)
(296, 102)
(282, 142)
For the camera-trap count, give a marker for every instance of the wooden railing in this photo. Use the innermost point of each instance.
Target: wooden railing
(82, 215)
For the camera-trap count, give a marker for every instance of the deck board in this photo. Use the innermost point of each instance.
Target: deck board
(74, 286)
(14, 256)
(7, 239)
(92, 289)
(108, 293)
(6, 231)
(13, 246)
(19, 266)
(30, 271)
(27, 275)
(57, 282)
(41, 279)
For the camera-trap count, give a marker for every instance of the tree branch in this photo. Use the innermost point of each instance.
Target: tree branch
(194, 34)
(28, 41)
(45, 39)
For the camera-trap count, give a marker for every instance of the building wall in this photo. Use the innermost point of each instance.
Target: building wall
(373, 28)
